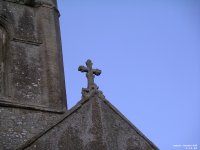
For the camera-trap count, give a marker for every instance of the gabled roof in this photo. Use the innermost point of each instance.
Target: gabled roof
(96, 108)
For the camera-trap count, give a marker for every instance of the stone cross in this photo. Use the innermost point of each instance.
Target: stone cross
(90, 73)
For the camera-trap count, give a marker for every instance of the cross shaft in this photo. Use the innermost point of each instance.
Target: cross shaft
(90, 73)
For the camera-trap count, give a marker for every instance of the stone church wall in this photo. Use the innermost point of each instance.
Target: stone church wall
(33, 56)
(17, 126)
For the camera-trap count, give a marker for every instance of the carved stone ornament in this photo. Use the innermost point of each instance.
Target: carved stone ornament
(90, 74)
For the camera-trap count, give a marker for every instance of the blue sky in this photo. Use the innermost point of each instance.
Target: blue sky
(149, 54)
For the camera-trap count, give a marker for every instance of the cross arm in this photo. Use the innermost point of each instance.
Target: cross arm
(97, 72)
(82, 69)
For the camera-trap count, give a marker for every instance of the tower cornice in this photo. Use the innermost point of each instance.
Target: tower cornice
(35, 4)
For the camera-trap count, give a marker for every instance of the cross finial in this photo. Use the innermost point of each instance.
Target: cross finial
(90, 73)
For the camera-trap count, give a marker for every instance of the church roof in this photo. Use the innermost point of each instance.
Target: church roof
(92, 123)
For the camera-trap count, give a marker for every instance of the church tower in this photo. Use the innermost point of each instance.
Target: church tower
(31, 67)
